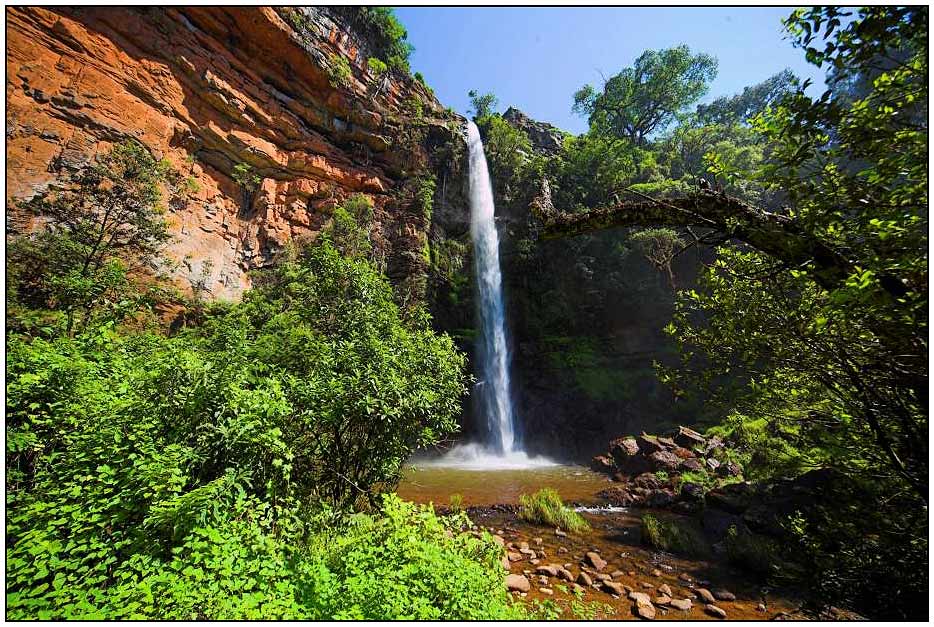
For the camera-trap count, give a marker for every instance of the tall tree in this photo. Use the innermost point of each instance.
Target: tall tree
(645, 98)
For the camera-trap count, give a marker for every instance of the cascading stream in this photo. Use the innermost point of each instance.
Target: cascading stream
(493, 348)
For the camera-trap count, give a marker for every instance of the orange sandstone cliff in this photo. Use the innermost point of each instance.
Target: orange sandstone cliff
(210, 88)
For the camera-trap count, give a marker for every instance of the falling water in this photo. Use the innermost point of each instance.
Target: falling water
(493, 388)
(502, 450)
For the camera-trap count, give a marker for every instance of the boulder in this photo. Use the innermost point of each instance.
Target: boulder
(602, 463)
(635, 465)
(692, 491)
(623, 448)
(729, 469)
(647, 481)
(618, 496)
(649, 444)
(660, 498)
(683, 453)
(595, 560)
(517, 583)
(688, 438)
(665, 460)
(692, 465)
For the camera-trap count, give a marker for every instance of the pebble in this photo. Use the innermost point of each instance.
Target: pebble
(665, 589)
(662, 600)
(646, 585)
(549, 570)
(713, 610)
(547, 591)
(584, 579)
(514, 557)
(724, 595)
(705, 595)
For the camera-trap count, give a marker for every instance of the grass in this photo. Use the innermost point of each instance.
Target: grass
(674, 536)
(457, 503)
(545, 507)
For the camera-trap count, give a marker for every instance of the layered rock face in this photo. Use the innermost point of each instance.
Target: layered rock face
(210, 89)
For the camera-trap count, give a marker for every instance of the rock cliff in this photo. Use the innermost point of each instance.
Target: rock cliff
(212, 89)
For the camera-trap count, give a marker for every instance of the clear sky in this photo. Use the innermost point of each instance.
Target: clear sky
(536, 58)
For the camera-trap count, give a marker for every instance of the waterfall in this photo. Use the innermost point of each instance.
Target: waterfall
(502, 449)
(493, 349)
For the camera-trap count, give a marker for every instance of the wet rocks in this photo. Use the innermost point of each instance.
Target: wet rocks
(549, 570)
(665, 589)
(692, 465)
(602, 463)
(584, 579)
(645, 611)
(613, 587)
(517, 583)
(713, 610)
(649, 444)
(665, 460)
(595, 560)
(662, 600)
(705, 595)
(623, 448)
(724, 595)
(681, 604)
(688, 438)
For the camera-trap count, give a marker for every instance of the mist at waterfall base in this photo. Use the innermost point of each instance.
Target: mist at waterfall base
(502, 447)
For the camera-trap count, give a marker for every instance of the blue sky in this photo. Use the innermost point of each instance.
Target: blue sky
(536, 58)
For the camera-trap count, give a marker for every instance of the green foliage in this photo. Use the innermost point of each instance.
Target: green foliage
(376, 66)
(646, 97)
(457, 503)
(754, 99)
(349, 229)
(389, 36)
(407, 564)
(482, 105)
(244, 176)
(339, 72)
(545, 507)
(507, 150)
(675, 535)
(105, 220)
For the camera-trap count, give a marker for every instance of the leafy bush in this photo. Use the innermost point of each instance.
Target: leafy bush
(339, 72)
(752, 552)
(545, 507)
(376, 66)
(406, 564)
(674, 535)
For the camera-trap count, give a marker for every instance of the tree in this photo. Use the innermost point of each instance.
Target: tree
(105, 220)
(482, 105)
(754, 100)
(645, 98)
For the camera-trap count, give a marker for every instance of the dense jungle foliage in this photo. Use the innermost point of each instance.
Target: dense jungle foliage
(799, 370)
(212, 474)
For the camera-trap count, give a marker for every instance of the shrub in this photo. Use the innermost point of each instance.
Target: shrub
(339, 72)
(752, 552)
(457, 503)
(674, 535)
(545, 507)
(406, 564)
(376, 66)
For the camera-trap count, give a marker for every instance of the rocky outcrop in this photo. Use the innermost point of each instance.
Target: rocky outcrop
(211, 88)
(545, 138)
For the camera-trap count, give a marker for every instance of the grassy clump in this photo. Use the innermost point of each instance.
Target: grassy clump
(545, 507)
(673, 535)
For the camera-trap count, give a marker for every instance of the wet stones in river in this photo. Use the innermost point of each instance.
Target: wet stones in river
(681, 604)
(724, 595)
(549, 569)
(517, 583)
(595, 560)
(613, 587)
(662, 600)
(513, 556)
(584, 579)
(713, 610)
(705, 595)
(665, 589)
(642, 607)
